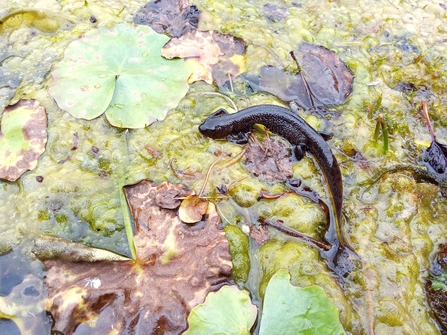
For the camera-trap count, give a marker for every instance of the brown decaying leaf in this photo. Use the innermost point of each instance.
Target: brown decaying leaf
(272, 162)
(323, 79)
(175, 17)
(211, 56)
(437, 298)
(177, 265)
(192, 209)
(260, 234)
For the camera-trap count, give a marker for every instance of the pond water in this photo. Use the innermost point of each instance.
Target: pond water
(396, 51)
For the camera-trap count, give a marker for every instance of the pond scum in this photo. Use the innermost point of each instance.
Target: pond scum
(395, 221)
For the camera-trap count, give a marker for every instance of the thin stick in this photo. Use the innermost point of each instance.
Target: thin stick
(306, 86)
(427, 118)
(208, 176)
(233, 160)
(294, 233)
(171, 165)
(231, 82)
(218, 95)
(273, 55)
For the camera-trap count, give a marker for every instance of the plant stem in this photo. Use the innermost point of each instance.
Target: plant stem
(427, 118)
(381, 124)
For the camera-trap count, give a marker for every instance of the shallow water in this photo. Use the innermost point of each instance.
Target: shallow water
(393, 224)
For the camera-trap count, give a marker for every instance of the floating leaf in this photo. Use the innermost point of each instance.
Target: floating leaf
(176, 266)
(228, 311)
(435, 156)
(294, 310)
(192, 209)
(22, 138)
(120, 71)
(323, 79)
(211, 56)
(174, 17)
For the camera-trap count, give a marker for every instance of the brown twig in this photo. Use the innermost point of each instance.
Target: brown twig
(233, 160)
(291, 232)
(208, 176)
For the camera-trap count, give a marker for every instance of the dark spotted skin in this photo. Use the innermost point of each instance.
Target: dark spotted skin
(284, 122)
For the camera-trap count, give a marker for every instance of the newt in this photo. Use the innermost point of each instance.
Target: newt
(282, 121)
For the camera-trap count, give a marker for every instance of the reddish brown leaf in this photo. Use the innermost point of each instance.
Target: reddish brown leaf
(259, 234)
(273, 162)
(177, 265)
(211, 56)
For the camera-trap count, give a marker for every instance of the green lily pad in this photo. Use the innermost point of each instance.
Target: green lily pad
(119, 71)
(227, 311)
(23, 137)
(294, 310)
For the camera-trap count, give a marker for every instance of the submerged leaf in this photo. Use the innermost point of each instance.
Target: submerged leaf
(323, 79)
(174, 17)
(228, 311)
(176, 266)
(23, 137)
(294, 310)
(211, 56)
(273, 162)
(120, 71)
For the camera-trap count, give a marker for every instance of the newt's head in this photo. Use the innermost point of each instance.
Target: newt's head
(216, 126)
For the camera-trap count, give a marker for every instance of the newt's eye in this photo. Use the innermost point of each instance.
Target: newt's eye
(219, 113)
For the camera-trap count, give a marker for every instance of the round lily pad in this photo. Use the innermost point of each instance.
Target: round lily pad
(119, 71)
(23, 137)
(227, 311)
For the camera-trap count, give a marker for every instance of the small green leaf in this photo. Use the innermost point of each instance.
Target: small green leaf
(23, 137)
(119, 71)
(294, 310)
(227, 311)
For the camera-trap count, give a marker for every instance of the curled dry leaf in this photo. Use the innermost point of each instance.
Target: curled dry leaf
(176, 266)
(192, 209)
(323, 79)
(23, 137)
(211, 56)
(272, 162)
(174, 17)
(435, 158)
